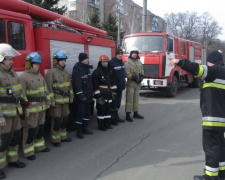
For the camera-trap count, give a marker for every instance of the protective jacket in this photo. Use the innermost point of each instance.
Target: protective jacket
(35, 90)
(212, 97)
(103, 82)
(59, 85)
(118, 69)
(10, 92)
(82, 82)
(133, 68)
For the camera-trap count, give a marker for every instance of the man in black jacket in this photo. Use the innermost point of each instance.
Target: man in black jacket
(104, 86)
(83, 91)
(212, 103)
(118, 70)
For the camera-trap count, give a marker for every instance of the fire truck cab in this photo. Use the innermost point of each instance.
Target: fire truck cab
(155, 49)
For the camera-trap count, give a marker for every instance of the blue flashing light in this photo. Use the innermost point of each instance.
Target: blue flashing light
(157, 31)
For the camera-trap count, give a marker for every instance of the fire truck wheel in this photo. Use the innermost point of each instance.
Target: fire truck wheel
(172, 90)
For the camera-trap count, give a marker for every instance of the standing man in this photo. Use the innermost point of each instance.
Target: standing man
(10, 122)
(83, 90)
(36, 93)
(212, 103)
(118, 70)
(135, 74)
(104, 86)
(60, 88)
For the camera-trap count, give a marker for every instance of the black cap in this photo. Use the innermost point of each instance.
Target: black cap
(82, 56)
(118, 51)
(215, 57)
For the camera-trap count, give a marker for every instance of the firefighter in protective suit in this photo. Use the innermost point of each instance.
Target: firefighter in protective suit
(36, 94)
(135, 75)
(104, 87)
(10, 122)
(60, 88)
(212, 103)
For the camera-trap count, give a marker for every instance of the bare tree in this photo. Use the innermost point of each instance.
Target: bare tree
(82, 13)
(184, 25)
(203, 29)
(209, 29)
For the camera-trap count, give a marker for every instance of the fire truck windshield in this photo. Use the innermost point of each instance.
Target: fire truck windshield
(145, 44)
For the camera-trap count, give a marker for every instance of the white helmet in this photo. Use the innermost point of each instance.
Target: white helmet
(134, 49)
(7, 52)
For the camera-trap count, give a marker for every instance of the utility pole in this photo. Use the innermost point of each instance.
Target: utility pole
(144, 15)
(118, 35)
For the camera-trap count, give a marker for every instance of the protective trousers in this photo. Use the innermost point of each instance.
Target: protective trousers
(132, 99)
(214, 148)
(115, 106)
(10, 137)
(104, 115)
(33, 132)
(59, 118)
(83, 114)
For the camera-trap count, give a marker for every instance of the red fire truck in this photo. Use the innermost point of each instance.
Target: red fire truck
(30, 28)
(155, 49)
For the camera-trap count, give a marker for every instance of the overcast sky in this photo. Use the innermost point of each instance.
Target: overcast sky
(216, 8)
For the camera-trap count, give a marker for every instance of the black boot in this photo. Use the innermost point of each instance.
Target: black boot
(138, 116)
(86, 130)
(118, 118)
(45, 150)
(205, 177)
(58, 144)
(17, 164)
(101, 125)
(80, 134)
(67, 140)
(128, 118)
(32, 157)
(2, 174)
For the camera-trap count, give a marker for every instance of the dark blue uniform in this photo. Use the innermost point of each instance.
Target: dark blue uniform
(118, 71)
(83, 89)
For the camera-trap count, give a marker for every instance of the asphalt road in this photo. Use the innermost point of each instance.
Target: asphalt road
(165, 145)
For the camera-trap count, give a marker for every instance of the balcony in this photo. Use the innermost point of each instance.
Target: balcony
(95, 3)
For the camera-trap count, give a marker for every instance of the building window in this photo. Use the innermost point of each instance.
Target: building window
(2, 31)
(16, 35)
(72, 6)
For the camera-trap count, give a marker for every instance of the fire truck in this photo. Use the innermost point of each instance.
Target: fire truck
(155, 49)
(30, 28)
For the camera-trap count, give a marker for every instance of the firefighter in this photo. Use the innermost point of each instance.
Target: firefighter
(212, 103)
(60, 88)
(104, 86)
(83, 90)
(135, 75)
(118, 69)
(36, 94)
(10, 122)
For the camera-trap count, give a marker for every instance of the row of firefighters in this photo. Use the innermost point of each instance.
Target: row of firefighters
(25, 99)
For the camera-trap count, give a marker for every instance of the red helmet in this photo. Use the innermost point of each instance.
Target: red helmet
(103, 57)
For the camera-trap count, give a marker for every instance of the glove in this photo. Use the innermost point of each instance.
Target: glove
(134, 78)
(113, 94)
(101, 101)
(141, 77)
(2, 119)
(24, 105)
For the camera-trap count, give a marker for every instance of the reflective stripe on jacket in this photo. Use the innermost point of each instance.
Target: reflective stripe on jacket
(9, 81)
(212, 96)
(34, 86)
(58, 80)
